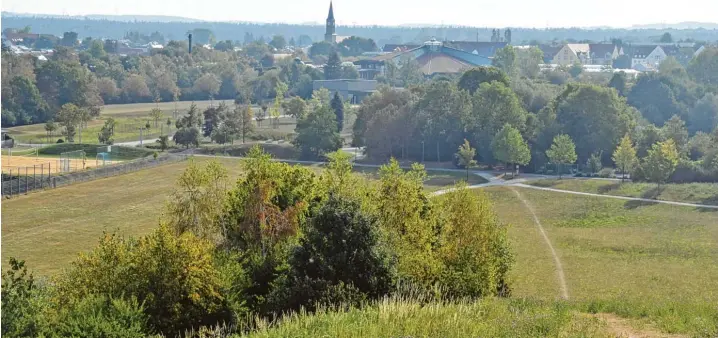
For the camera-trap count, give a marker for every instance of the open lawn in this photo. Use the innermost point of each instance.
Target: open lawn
(701, 193)
(653, 263)
(435, 179)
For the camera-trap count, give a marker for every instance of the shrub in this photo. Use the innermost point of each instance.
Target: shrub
(21, 307)
(691, 171)
(60, 141)
(173, 276)
(339, 260)
(98, 316)
(606, 173)
(474, 247)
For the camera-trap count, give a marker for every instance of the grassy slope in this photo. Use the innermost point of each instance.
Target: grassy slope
(47, 229)
(702, 193)
(484, 318)
(658, 262)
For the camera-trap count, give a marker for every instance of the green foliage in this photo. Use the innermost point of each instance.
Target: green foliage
(704, 67)
(661, 161)
(625, 155)
(704, 115)
(295, 107)
(575, 70)
(338, 107)
(474, 246)
(355, 46)
(505, 59)
(494, 106)
(562, 151)
(595, 117)
(333, 68)
(164, 142)
(509, 147)
(338, 261)
(99, 316)
(21, 308)
(473, 78)
(593, 164)
(193, 205)
(465, 156)
(317, 134)
(618, 82)
(172, 276)
(675, 129)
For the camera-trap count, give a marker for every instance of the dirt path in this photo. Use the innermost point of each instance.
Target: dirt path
(557, 261)
(621, 327)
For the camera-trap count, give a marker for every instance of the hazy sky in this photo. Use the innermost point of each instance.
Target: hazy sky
(480, 13)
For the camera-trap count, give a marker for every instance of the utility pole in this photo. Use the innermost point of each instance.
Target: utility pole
(141, 129)
(422, 151)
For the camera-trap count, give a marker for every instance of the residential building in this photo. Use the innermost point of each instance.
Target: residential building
(433, 57)
(549, 52)
(352, 90)
(647, 56)
(572, 53)
(604, 53)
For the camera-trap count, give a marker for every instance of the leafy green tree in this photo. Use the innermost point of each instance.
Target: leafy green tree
(704, 115)
(649, 135)
(187, 137)
(505, 59)
(473, 246)
(317, 134)
(528, 61)
(661, 162)
(164, 142)
(69, 117)
(333, 68)
(278, 42)
(666, 38)
(107, 131)
(625, 156)
(675, 129)
(50, 127)
(22, 97)
(655, 97)
(246, 122)
(355, 46)
(494, 105)
(208, 84)
(321, 271)
(97, 49)
(474, 77)
(276, 110)
(100, 316)
(509, 147)
(296, 107)
(135, 89)
(562, 151)
(593, 164)
(409, 73)
(618, 82)
(156, 115)
(465, 156)
(193, 206)
(338, 107)
(222, 134)
(406, 217)
(704, 67)
(596, 117)
(575, 70)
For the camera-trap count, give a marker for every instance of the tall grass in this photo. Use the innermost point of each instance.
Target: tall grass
(407, 317)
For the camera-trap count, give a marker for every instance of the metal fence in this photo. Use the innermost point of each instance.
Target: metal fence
(22, 180)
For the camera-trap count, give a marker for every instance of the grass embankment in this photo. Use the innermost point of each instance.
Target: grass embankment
(117, 153)
(654, 263)
(700, 193)
(482, 318)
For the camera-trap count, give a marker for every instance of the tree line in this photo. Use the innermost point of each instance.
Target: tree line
(279, 239)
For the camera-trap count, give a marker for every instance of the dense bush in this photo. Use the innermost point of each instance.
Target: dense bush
(339, 260)
(172, 276)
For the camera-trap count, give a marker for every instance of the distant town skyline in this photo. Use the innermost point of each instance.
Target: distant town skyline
(477, 13)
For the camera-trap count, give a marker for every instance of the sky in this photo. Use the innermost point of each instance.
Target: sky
(476, 13)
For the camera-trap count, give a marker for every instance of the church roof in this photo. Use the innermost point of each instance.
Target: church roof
(438, 60)
(331, 11)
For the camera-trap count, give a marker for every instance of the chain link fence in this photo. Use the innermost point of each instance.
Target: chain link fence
(25, 179)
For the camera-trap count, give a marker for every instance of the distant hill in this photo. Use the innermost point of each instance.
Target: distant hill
(680, 25)
(120, 18)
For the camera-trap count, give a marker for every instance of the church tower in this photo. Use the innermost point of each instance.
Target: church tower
(330, 35)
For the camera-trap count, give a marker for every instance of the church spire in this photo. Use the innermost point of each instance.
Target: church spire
(331, 11)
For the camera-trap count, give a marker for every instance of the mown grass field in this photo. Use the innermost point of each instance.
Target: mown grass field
(700, 193)
(656, 264)
(49, 228)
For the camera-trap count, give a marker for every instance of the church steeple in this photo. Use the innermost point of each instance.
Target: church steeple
(329, 35)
